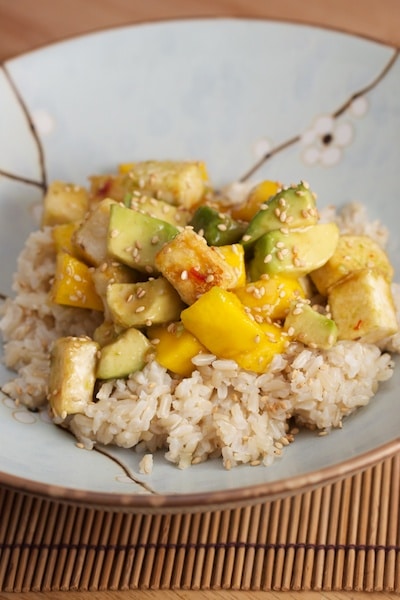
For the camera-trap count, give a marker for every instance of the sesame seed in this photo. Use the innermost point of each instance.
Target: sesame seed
(184, 275)
(246, 238)
(283, 217)
(267, 258)
(140, 309)
(114, 233)
(140, 292)
(291, 331)
(298, 310)
(209, 278)
(280, 245)
(222, 227)
(155, 240)
(257, 339)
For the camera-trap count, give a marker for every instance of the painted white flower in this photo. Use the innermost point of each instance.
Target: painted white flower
(43, 122)
(325, 140)
(262, 147)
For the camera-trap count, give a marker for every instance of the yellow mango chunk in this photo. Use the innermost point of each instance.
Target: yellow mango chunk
(274, 341)
(270, 297)
(258, 195)
(175, 347)
(62, 236)
(220, 322)
(234, 256)
(73, 284)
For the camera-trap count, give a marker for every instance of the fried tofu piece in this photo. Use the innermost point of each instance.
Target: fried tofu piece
(193, 267)
(64, 203)
(362, 307)
(353, 253)
(72, 375)
(91, 237)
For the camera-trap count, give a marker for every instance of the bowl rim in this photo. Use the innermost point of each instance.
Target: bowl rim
(219, 499)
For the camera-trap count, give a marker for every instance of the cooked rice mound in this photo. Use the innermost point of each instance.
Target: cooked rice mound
(220, 410)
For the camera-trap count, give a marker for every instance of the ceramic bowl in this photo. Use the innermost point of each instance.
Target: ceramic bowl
(252, 98)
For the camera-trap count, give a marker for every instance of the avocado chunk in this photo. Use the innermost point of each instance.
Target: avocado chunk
(363, 308)
(134, 238)
(292, 207)
(353, 253)
(218, 229)
(310, 327)
(73, 363)
(124, 355)
(159, 209)
(295, 253)
(142, 304)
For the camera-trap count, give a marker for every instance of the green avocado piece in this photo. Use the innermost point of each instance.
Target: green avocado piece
(294, 253)
(159, 209)
(292, 207)
(134, 238)
(310, 327)
(218, 229)
(126, 354)
(139, 304)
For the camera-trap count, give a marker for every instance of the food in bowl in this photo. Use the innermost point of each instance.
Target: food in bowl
(153, 312)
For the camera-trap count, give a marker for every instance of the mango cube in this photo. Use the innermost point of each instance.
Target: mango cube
(175, 347)
(73, 284)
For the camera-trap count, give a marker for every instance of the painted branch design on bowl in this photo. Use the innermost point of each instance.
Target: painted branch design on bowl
(324, 141)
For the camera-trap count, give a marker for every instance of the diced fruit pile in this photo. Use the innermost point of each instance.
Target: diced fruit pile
(177, 270)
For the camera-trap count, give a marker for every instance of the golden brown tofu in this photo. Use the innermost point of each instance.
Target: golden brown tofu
(91, 237)
(362, 307)
(193, 267)
(353, 253)
(64, 203)
(72, 375)
(180, 183)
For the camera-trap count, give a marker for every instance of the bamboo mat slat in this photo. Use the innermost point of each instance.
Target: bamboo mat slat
(341, 537)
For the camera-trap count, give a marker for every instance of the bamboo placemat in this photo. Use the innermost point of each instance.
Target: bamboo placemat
(344, 536)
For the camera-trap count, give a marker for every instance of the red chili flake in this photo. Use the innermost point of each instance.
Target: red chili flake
(195, 274)
(104, 188)
(358, 325)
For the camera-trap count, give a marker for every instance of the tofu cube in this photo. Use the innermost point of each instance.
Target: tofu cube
(362, 307)
(193, 267)
(72, 375)
(91, 237)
